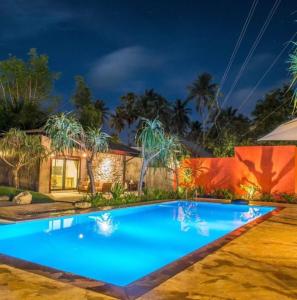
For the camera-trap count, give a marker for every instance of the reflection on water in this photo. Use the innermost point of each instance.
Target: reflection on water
(58, 224)
(189, 218)
(251, 214)
(104, 224)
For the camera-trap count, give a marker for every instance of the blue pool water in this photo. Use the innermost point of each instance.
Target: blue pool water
(122, 245)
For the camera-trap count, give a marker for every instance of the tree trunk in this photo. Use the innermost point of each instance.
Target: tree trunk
(142, 174)
(176, 176)
(91, 175)
(16, 180)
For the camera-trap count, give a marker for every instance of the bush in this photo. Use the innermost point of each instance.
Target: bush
(200, 190)
(223, 194)
(96, 199)
(250, 191)
(289, 198)
(266, 197)
(117, 191)
(158, 194)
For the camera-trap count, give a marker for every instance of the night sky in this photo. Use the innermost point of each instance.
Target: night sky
(128, 45)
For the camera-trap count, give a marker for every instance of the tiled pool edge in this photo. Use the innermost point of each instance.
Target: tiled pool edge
(145, 284)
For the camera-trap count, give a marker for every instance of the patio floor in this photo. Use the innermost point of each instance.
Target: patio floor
(260, 264)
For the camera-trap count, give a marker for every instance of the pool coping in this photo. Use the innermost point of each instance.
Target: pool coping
(144, 284)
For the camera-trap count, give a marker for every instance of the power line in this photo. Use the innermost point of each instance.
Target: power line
(264, 75)
(253, 48)
(233, 55)
(270, 114)
(238, 43)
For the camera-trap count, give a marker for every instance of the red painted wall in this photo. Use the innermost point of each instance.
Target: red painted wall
(272, 168)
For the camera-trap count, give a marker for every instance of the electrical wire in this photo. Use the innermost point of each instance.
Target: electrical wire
(264, 75)
(252, 50)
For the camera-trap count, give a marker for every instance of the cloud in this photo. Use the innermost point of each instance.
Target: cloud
(127, 66)
(248, 98)
(260, 61)
(27, 18)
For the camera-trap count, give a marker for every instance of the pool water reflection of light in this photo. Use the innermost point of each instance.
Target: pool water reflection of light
(122, 245)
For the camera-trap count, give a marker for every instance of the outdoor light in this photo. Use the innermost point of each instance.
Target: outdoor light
(84, 155)
(80, 236)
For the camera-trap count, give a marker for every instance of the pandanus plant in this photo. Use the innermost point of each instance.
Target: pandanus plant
(157, 147)
(66, 133)
(19, 150)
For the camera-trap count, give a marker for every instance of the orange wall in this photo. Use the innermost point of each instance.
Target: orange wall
(272, 168)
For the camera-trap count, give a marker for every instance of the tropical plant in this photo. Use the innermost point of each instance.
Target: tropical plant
(266, 197)
(67, 133)
(128, 111)
(195, 132)
(96, 199)
(293, 71)
(152, 105)
(19, 150)
(200, 190)
(251, 191)
(117, 191)
(101, 107)
(224, 145)
(271, 111)
(203, 91)
(223, 193)
(89, 113)
(156, 146)
(116, 121)
(180, 117)
(26, 91)
(289, 198)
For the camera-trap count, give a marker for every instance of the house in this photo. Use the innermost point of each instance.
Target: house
(67, 171)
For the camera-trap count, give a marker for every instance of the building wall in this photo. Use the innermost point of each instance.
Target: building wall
(272, 168)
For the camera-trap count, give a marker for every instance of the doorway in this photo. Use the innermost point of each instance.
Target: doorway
(64, 174)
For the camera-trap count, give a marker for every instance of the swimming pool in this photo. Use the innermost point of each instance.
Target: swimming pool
(122, 245)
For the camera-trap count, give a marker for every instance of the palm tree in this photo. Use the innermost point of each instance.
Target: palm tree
(116, 121)
(129, 112)
(103, 109)
(203, 92)
(19, 150)
(195, 131)
(67, 133)
(230, 122)
(154, 106)
(180, 117)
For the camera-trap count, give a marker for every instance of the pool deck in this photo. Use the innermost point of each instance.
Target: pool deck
(260, 264)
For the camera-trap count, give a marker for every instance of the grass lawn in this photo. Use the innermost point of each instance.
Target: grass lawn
(36, 197)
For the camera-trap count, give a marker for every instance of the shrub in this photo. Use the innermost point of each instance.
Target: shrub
(289, 198)
(223, 194)
(96, 199)
(200, 190)
(250, 191)
(130, 198)
(117, 191)
(266, 197)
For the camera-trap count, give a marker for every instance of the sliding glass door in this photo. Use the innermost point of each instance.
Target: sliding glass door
(64, 174)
